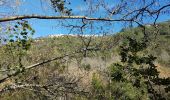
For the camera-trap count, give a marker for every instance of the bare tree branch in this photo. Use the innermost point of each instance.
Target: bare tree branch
(13, 18)
(18, 71)
(47, 88)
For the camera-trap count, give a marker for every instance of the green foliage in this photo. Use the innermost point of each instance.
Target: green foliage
(86, 67)
(60, 67)
(23, 95)
(131, 79)
(59, 6)
(18, 41)
(137, 69)
(20, 35)
(158, 40)
(98, 89)
(126, 91)
(135, 77)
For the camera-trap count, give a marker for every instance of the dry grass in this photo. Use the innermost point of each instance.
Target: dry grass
(164, 71)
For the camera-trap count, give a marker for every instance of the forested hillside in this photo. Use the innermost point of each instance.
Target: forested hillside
(86, 50)
(83, 71)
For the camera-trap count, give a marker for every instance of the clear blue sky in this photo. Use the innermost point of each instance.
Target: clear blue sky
(47, 27)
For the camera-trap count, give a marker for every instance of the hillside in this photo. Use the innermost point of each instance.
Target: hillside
(84, 64)
(159, 40)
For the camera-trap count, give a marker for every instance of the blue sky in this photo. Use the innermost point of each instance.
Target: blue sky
(47, 27)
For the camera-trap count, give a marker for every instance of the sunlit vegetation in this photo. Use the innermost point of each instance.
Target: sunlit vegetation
(121, 66)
